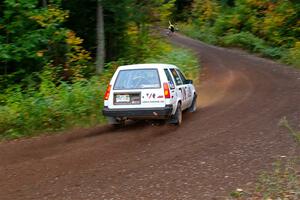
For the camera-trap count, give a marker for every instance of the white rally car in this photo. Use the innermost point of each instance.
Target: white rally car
(148, 91)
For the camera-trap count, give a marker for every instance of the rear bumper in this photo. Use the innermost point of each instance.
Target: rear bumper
(158, 113)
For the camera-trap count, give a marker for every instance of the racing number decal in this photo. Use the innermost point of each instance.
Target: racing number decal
(189, 91)
(183, 93)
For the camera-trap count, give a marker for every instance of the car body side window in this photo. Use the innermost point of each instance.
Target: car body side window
(184, 80)
(176, 77)
(169, 77)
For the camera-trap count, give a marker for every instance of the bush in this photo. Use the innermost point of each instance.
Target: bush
(51, 107)
(293, 55)
(244, 39)
(251, 42)
(205, 34)
(283, 182)
(272, 52)
(57, 105)
(232, 39)
(182, 58)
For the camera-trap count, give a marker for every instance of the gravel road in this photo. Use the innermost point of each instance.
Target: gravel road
(224, 145)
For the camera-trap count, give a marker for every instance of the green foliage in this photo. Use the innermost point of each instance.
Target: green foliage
(183, 58)
(144, 45)
(182, 10)
(51, 107)
(45, 69)
(205, 11)
(251, 42)
(56, 105)
(28, 30)
(293, 55)
(120, 17)
(224, 23)
(32, 37)
(268, 27)
(283, 182)
(205, 34)
(274, 21)
(296, 134)
(237, 194)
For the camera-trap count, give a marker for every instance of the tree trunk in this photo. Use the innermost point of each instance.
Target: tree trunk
(45, 3)
(100, 57)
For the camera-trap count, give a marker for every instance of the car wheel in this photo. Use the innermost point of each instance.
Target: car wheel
(117, 123)
(193, 107)
(178, 115)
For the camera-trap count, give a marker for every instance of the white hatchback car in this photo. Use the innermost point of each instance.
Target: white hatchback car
(148, 91)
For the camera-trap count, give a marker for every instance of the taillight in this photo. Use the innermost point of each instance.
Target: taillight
(106, 96)
(167, 91)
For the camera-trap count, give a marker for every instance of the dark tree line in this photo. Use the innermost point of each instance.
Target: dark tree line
(72, 35)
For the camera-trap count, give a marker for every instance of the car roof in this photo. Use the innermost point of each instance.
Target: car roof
(148, 65)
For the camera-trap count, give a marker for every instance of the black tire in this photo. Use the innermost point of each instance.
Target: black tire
(178, 115)
(157, 122)
(193, 107)
(119, 124)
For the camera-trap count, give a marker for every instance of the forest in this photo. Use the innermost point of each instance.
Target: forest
(265, 27)
(57, 56)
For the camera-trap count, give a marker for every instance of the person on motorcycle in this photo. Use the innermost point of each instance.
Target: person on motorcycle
(171, 28)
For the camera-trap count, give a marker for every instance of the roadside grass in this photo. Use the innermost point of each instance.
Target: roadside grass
(285, 123)
(206, 35)
(244, 40)
(51, 107)
(252, 43)
(282, 183)
(293, 56)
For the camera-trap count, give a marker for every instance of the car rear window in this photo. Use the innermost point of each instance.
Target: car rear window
(137, 79)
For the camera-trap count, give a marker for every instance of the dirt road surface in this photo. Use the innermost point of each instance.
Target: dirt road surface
(233, 136)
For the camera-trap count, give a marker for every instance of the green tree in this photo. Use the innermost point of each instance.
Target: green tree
(206, 11)
(100, 56)
(32, 36)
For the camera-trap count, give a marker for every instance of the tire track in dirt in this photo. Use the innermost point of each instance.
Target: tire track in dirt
(233, 136)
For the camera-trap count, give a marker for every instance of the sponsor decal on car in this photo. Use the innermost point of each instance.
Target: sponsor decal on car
(153, 101)
(171, 84)
(153, 98)
(150, 95)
